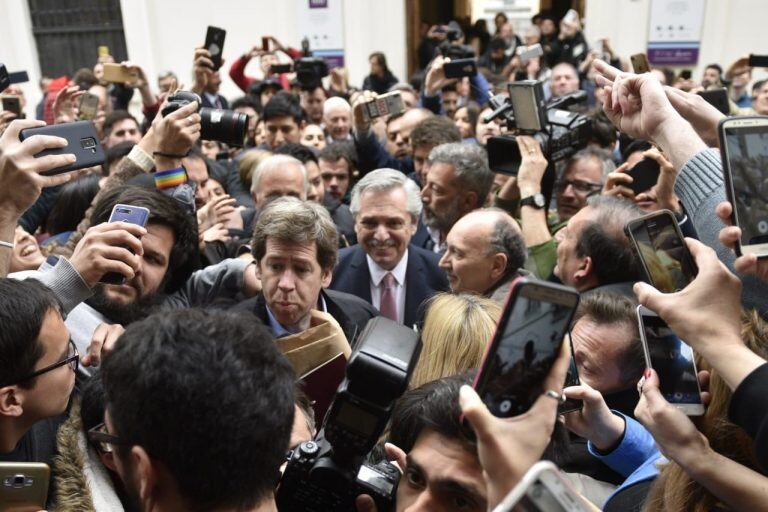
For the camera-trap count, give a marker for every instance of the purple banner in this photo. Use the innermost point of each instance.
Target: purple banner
(318, 4)
(673, 56)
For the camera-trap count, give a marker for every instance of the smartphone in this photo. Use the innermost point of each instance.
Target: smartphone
(23, 486)
(640, 63)
(133, 215)
(686, 74)
(758, 61)
(718, 98)
(666, 260)
(11, 104)
(673, 361)
(571, 379)
(645, 174)
(120, 74)
(280, 68)
(524, 347)
(88, 106)
(265, 43)
(82, 140)
(530, 52)
(543, 488)
(19, 77)
(460, 68)
(5, 80)
(103, 51)
(214, 43)
(744, 152)
(384, 105)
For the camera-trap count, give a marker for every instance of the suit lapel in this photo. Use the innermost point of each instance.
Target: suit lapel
(360, 276)
(414, 289)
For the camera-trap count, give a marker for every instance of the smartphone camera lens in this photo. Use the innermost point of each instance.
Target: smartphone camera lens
(88, 143)
(19, 481)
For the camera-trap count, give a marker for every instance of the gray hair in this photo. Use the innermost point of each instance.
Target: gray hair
(382, 180)
(276, 162)
(335, 101)
(601, 155)
(291, 220)
(470, 164)
(507, 239)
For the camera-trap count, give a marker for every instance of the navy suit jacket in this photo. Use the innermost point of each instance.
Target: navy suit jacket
(423, 278)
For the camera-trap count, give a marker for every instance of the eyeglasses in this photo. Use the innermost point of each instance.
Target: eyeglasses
(102, 439)
(72, 359)
(579, 186)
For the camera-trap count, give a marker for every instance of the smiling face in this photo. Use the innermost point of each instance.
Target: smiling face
(26, 252)
(383, 225)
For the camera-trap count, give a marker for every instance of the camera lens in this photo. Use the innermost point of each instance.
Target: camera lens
(225, 126)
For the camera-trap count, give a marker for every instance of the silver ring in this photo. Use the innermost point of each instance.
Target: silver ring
(554, 394)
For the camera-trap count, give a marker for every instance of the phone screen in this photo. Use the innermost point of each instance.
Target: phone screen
(665, 256)
(528, 347)
(673, 361)
(747, 150)
(539, 499)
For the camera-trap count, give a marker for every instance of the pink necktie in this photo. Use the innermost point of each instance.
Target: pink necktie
(388, 304)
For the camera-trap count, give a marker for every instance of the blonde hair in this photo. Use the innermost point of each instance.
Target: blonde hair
(457, 329)
(248, 163)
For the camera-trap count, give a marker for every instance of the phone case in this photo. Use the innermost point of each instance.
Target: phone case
(214, 43)
(11, 104)
(718, 98)
(23, 486)
(125, 213)
(82, 142)
(640, 63)
(5, 80)
(460, 68)
(119, 74)
(645, 174)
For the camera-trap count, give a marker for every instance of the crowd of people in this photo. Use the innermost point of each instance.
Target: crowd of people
(183, 384)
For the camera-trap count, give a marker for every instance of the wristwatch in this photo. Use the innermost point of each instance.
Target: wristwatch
(536, 200)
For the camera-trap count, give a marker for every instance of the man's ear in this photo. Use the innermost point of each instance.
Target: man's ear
(327, 277)
(11, 401)
(469, 202)
(498, 265)
(146, 476)
(585, 270)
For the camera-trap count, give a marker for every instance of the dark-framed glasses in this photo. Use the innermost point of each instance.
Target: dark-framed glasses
(580, 187)
(72, 359)
(102, 439)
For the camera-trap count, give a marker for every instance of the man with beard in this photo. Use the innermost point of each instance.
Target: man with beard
(220, 373)
(457, 181)
(156, 261)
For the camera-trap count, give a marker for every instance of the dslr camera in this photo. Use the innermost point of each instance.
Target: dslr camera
(310, 71)
(225, 126)
(329, 472)
(561, 133)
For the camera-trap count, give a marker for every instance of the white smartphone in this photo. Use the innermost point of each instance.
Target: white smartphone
(673, 360)
(544, 489)
(530, 52)
(744, 151)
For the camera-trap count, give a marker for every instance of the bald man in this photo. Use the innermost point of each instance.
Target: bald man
(337, 117)
(279, 176)
(485, 250)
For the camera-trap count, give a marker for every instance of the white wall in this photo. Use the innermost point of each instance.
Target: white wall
(732, 28)
(162, 35)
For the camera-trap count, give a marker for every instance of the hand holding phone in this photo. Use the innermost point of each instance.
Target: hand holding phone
(23, 486)
(82, 141)
(645, 174)
(107, 252)
(88, 107)
(214, 43)
(384, 105)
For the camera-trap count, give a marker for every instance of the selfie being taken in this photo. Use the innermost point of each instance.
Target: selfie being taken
(401, 256)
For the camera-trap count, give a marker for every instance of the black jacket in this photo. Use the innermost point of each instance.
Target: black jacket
(423, 278)
(749, 410)
(351, 313)
(379, 84)
(343, 219)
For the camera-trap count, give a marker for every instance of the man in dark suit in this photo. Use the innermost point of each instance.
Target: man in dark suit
(295, 245)
(385, 269)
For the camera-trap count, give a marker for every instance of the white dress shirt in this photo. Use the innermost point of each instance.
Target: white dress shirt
(438, 246)
(377, 286)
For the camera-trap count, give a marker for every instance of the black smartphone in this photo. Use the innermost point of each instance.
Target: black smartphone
(281, 68)
(571, 379)
(686, 74)
(663, 253)
(88, 106)
(265, 43)
(460, 68)
(673, 361)
(214, 43)
(5, 79)
(524, 347)
(11, 104)
(133, 215)
(82, 140)
(645, 174)
(758, 61)
(718, 98)
(744, 152)
(19, 77)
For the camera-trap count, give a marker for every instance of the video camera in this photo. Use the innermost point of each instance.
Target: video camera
(561, 133)
(329, 472)
(310, 72)
(225, 126)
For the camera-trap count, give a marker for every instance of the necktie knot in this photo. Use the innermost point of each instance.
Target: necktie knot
(389, 280)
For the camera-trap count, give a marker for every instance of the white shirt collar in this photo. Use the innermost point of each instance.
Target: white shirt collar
(378, 273)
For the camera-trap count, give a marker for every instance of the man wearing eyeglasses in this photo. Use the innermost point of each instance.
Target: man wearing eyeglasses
(37, 370)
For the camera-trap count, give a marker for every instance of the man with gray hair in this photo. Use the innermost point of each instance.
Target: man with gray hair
(278, 176)
(385, 269)
(295, 245)
(583, 176)
(485, 250)
(457, 180)
(337, 118)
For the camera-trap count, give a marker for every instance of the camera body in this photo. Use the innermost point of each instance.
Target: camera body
(225, 126)
(456, 51)
(329, 472)
(560, 133)
(310, 71)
